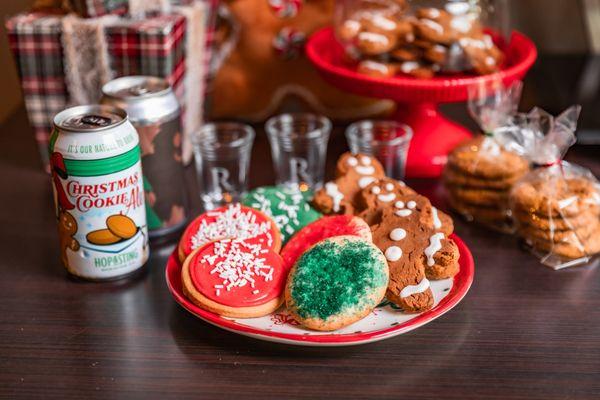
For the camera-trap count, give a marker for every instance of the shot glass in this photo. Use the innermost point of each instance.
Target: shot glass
(298, 148)
(222, 155)
(387, 141)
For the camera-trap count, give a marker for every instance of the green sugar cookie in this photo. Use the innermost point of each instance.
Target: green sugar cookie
(289, 208)
(336, 282)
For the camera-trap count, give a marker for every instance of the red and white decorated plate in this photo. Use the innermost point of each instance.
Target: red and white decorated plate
(384, 322)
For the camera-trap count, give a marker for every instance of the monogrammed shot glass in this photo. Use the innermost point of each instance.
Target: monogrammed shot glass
(387, 141)
(299, 147)
(222, 154)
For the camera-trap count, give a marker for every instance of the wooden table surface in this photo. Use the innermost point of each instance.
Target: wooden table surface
(522, 332)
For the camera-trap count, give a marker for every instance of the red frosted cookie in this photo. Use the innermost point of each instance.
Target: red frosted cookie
(326, 227)
(234, 278)
(233, 221)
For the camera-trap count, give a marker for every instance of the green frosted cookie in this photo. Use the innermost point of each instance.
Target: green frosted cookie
(289, 208)
(336, 282)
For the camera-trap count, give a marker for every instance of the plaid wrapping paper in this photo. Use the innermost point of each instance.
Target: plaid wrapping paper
(155, 46)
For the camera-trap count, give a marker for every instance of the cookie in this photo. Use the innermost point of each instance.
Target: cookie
(454, 177)
(324, 228)
(434, 25)
(336, 282)
(569, 248)
(375, 43)
(407, 53)
(483, 214)
(436, 54)
(480, 197)
(121, 226)
(415, 69)
(412, 246)
(102, 237)
(375, 69)
(232, 221)
(287, 207)
(560, 197)
(378, 195)
(493, 164)
(234, 278)
(353, 173)
(557, 236)
(483, 56)
(557, 223)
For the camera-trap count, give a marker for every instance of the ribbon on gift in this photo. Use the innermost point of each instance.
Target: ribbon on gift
(87, 60)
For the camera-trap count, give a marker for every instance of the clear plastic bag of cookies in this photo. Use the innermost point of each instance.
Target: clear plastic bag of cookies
(419, 38)
(480, 173)
(556, 206)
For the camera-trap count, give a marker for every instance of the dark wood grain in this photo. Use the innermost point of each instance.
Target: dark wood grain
(523, 331)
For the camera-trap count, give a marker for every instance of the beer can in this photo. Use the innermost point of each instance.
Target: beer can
(98, 192)
(154, 111)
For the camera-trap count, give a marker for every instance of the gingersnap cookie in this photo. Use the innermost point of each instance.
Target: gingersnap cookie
(102, 237)
(556, 197)
(336, 282)
(378, 195)
(581, 233)
(353, 173)
(375, 43)
(287, 207)
(454, 177)
(486, 214)
(570, 247)
(480, 197)
(324, 228)
(494, 164)
(233, 221)
(375, 69)
(234, 278)
(412, 247)
(543, 222)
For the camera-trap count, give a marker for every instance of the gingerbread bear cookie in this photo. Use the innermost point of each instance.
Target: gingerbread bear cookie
(353, 173)
(415, 244)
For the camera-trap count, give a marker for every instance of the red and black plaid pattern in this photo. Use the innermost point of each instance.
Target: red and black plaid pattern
(155, 46)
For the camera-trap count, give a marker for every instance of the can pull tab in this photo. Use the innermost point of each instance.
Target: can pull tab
(96, 120)
(139, 90)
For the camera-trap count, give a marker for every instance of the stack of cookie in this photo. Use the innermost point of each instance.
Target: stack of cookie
(389, 42)
(558, 215)
(478, 178)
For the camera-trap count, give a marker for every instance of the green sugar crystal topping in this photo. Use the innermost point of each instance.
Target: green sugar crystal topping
(334, 277)
(289, 208)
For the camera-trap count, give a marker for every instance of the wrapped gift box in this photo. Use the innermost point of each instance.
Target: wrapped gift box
(153, 46)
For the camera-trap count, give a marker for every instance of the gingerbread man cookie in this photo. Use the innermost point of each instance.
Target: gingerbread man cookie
(67, 227)
(414, 241)
(353, 173)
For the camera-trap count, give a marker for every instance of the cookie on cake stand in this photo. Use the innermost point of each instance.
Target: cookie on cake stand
(434, 136)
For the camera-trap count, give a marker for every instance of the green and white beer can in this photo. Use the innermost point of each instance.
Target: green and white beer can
(98, 192)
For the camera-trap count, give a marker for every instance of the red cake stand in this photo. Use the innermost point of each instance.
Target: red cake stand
(434, 135)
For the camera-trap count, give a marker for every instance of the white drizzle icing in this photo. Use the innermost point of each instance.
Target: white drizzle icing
(393, 253)
(564, 203)
(414, 289)
(387, 197)
(437, 224)
(389, 186)
(397, 234)
(435, 244)
(403, 213)
(332, 191)
(411, 204)
(374, 38)
(433, 25)
(365, 160)
(399, 204)
(383, 22)
(352, 161)
(365, 181)
(375, 190)
(365, 169)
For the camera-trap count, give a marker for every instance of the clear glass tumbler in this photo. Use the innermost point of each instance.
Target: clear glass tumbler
(222, 152)
(299, 147)
(387, 141)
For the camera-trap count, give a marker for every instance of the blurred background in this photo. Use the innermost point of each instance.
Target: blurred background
(567, 34)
